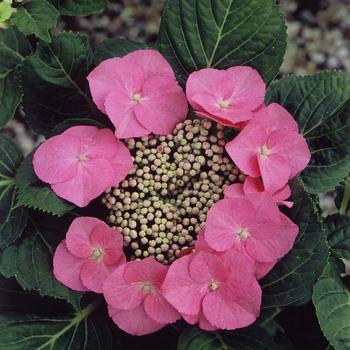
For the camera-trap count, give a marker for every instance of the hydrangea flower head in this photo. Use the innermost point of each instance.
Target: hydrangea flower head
(219, 291)
(226, 96)
(135, 302)
(139, 93)
(271, 147)
(82, 162)
(90, 252)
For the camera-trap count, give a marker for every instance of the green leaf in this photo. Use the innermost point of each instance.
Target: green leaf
(196, 34)
(8, 266)
(55, 84)
(115, 47)
(13, 298)
(252, 338)
(36, 17)
(331, 299)
(12, 218)
(321, 106)
(292, 279)
(33, 193)
(31, 332)
(339, 235)
(79, 7)
(13, 49)
(34, 259)
(68, 123)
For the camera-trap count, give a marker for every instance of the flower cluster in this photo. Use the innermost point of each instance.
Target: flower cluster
(196, 219)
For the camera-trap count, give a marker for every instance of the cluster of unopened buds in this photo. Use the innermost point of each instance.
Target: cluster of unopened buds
(193, 214)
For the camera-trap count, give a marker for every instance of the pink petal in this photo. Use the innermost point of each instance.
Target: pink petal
(224, 221)
(274, 247)
(120, 294)
(164, 105)
(275, 171)
(110, 241)
(135, 321)
(145, 270)
(292, 146)
(92, 179)
(253, 185)
(230, 314)
(248, 87)
(157, 308)
(151, 62)
(244, 149)
(283, 194)
(66, 268)
(206, 267)
(201, 243)
(84, 133)
(234, 190)
(274, 117)
(56, 159)
(179, 288)
(262, 269)
(240, 267)
(120, 110)
(114, 74)
(205, 324)
(222, 121)
(94, 273)
(191, 319)
(78, 236)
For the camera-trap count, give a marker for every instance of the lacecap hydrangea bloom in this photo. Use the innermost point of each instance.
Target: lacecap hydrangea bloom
(198, 213)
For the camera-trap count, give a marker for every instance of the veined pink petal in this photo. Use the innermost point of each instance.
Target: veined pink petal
(93, 273)
(114, 74)
(78, 236)
(275, 171)
(274, 117)
(110, 241)
(244, 149)
(253, 185)
(205, 324)
(66, 268)
(145, 270)
(179, 288)
(262, 269)
(201, 243)
(232, 314)
(56, 159)
(234, 191)
(120, 294)
(135, 321)
(206, 267)
(293, 147)
(151, 62)
(225, 220)
(85, 133)
(162, 106)
(159, 309)
(121, 110)
(92, 179)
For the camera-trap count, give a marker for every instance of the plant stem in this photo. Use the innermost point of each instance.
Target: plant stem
(346, 198)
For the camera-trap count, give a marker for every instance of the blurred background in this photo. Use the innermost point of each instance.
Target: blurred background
(318, 30)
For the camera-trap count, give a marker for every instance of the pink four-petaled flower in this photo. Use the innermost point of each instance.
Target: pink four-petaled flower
(227, 96)
(271, 147)
(139, 93)
(82, 162)
(218, 291)
(88, 255)
(135, 302)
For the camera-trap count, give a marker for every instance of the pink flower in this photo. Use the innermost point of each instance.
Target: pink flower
(245, 223)
(133, 294)
(226, 96)
(139, 93)
(254, 185)
(271, 147)
(218, 291)
(88, 255)
(287, 231)
(82, 162)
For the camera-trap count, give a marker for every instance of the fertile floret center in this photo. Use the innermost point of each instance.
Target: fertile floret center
(162, 204)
